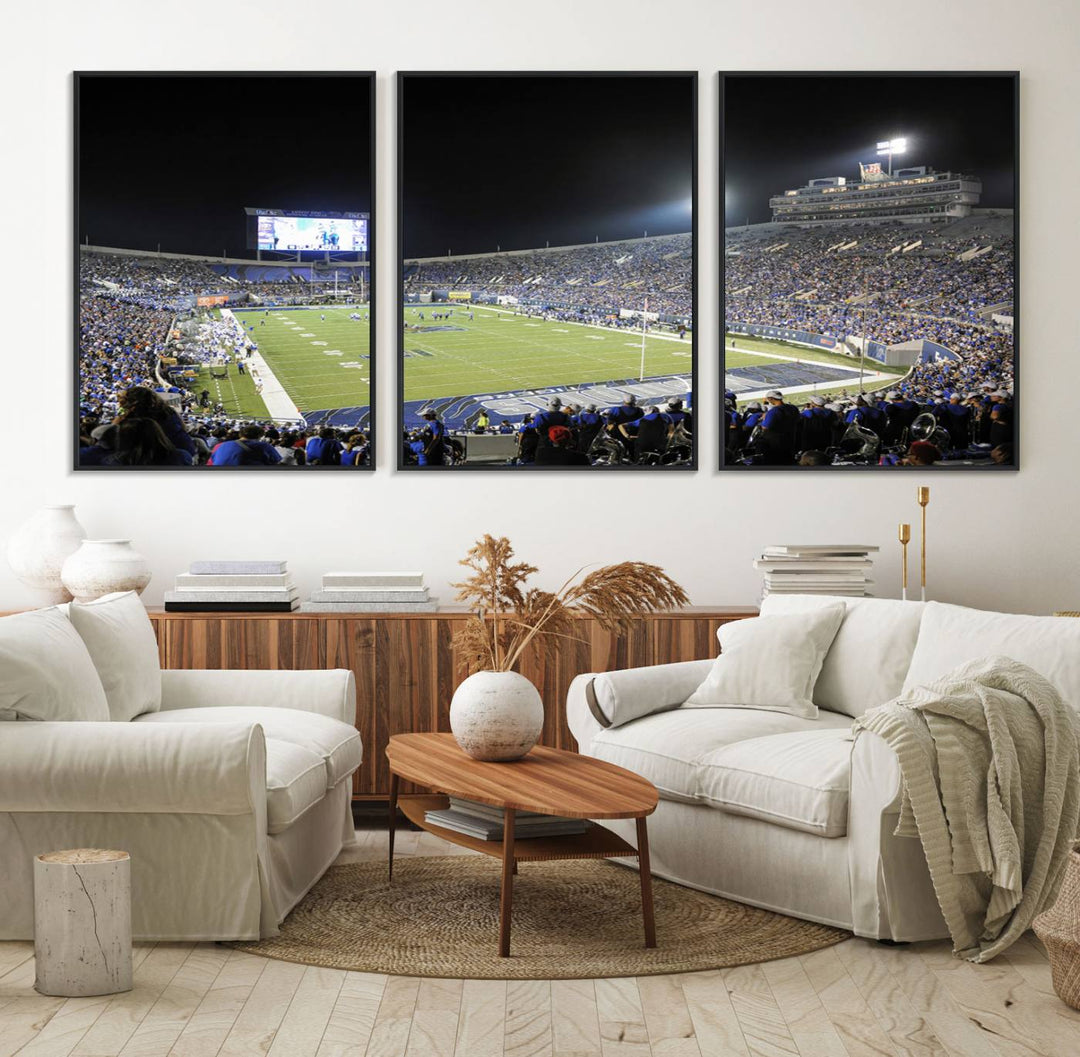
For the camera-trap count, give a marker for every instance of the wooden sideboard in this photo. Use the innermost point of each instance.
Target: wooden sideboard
(406, 667)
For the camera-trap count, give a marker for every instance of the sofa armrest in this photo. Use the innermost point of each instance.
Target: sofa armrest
(329, 692)
(596, 701)
(892, 896)
(188, 768)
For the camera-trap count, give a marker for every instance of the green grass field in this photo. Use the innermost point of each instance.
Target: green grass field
(499, 352)
(321, 363)
(236, 393)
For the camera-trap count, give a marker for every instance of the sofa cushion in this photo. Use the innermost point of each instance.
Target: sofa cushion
(952, 635)
(45, 670)
(295, 780)
(336, 743)
(668, 748)
(770, 662)
(870, 656)
(799, 780)
(120, 639)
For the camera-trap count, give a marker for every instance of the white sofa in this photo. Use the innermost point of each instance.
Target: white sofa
(231, 791)
(794, 814)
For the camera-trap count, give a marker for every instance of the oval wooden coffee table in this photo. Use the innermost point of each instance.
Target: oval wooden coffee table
(548, 781)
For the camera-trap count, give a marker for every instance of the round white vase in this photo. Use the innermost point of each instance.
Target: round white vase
(496, 715)
(100, 567)
(37, 551)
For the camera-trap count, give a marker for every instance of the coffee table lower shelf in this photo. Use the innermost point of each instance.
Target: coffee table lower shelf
(596, 842)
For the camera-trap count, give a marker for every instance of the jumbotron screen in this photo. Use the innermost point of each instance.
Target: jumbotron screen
(333, 234)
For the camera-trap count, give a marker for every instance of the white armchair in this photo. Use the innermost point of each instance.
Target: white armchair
(232, 799)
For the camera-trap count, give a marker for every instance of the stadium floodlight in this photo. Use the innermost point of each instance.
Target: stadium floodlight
(896, 145)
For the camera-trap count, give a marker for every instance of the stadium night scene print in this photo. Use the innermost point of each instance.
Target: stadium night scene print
(869, 271)
(223, 266)
(548, 260)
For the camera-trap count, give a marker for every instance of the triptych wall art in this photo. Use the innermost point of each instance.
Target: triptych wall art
(547, 259)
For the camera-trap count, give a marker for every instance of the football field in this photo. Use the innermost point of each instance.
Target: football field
(321, 362)
(764, 354)
(497, 351)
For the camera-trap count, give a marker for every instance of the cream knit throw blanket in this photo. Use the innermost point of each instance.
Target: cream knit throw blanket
(990, 761)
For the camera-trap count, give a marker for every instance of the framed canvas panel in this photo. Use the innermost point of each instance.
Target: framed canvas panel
(548, 259)
(869, 278)
(224, 286)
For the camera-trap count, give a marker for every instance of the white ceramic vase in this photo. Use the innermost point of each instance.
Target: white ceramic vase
(496, 715)
(100, 567)
(37, 551)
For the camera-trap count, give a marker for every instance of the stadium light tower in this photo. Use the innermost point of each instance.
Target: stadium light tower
(896, 145)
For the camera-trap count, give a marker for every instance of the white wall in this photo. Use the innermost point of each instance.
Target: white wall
(1005, 541)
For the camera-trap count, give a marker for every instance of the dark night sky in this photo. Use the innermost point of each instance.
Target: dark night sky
(781, 132)
(519, 161)
(176, 159)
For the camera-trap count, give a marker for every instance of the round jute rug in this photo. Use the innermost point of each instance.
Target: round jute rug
(574, 918)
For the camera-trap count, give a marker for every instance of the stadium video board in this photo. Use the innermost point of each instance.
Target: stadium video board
(548, 298)
(320, 232)
(869, 273)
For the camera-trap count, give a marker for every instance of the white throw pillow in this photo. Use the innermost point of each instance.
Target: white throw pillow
(45, 670)
(121, 641)
(869, 657)
(953, 635)
(770, 663)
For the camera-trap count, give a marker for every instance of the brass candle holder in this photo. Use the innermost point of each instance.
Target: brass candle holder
(904, 535)
(923, 497)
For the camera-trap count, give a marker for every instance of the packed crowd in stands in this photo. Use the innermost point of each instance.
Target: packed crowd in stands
(173, 281)
(855, 281)
(569, 435)
(119, 344)
(816, 280)
(147, 430)
(590, 280)
(971, 422)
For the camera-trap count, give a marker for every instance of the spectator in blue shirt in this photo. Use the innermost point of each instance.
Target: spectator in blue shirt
(249, 450)
(325, 449)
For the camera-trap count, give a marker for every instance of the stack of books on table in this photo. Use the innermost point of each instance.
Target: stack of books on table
(371, 593)
(486, 822)
(817, 569)
(234, 587)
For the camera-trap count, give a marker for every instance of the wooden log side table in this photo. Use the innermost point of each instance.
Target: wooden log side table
(82, 922)
(547, 781)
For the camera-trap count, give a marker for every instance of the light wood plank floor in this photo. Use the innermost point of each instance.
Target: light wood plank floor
(856, 999)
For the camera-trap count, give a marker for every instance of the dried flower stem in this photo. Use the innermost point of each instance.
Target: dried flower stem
(611, 595)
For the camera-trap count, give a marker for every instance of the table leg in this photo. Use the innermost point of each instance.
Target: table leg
(393, 822)
(646, 882)
(506, 896)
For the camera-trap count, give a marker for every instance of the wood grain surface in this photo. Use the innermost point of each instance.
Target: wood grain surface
(548, 781)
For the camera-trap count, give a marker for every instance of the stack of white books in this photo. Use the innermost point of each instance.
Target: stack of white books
(371, 593)
(817, 569)
(234, 587)
(486, 822)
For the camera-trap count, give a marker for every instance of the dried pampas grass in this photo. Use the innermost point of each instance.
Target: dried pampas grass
(507, 615)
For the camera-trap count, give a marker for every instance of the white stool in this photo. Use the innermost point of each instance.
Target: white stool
(82, 922)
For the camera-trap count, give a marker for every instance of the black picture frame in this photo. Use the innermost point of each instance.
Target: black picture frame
(724, 80)
(403, 78)
(79, 77)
